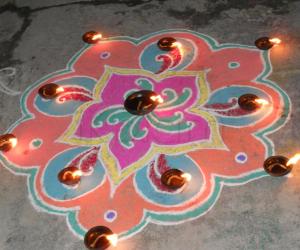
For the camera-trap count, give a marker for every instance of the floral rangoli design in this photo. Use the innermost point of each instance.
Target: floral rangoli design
(199, 129)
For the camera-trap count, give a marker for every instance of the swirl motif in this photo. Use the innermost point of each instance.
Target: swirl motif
(157, 61)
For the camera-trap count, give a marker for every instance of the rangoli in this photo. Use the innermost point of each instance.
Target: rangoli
(199, 129)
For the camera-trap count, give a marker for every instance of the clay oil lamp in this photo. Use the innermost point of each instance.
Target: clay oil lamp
(265, 43)
(70, 176)
(142, 102)
(168, 44)
(175, 178)
(251, 102)
(100, 238)
(7, 142)
(50, 91)
(92, 37)
(280, 165)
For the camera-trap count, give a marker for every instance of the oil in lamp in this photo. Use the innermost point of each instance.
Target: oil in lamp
(280, 165)
(50, 91)
(100, 238)
(142, 102)
(7, 142)
(92, 37)
(70, 176)
(175, 178)
(168, 43)
(265, 43)
(251, 102)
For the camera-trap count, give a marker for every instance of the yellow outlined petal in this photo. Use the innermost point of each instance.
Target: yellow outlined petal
(109, 160)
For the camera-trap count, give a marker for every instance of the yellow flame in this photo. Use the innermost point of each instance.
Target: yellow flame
(97, 36)
(77, 173)
(113, 239)
(293, 160)
(187, 176)
(13, 142)
(261, 101)
(275, 41)
(177, 44)
(157, 98)
(59, 90)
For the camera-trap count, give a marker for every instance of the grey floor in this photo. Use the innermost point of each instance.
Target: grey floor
(38, 37)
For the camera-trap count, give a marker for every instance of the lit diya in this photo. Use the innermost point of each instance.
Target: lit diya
(100, 238)
(280, 165)
(50, 91)
(7, 142)
(168, 43)
(92, 37)
(70, 176)
(251, 102)
(142, 102)
(265, 43)
(175, 178)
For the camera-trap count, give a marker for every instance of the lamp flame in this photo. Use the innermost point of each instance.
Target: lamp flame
(77, 173)
(293, 160)
(157, 98)
(261, 101)
(60, 89)
(113, 239)
(13, 142)
(97, 36)
(187, 176)
(177, 44)
(275, 41)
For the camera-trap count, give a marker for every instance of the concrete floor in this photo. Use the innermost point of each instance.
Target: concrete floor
(39, 37)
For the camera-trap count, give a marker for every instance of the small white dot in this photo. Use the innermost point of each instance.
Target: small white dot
(110, 215)
(105, 55)
(241, 157)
